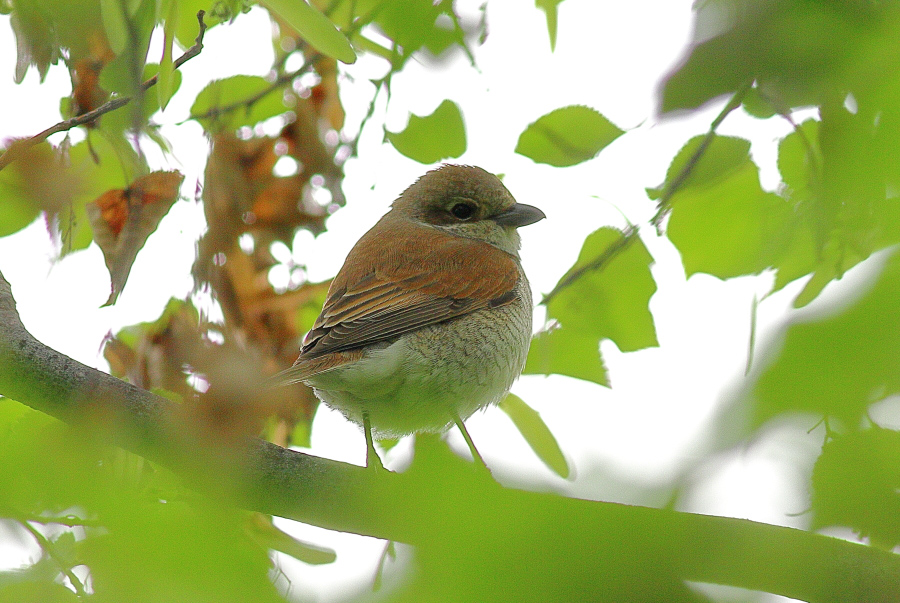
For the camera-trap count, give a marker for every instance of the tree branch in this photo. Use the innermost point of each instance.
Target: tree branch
(18, 148)
(595, 550)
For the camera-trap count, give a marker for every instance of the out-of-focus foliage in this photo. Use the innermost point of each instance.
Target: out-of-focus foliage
(837, 367)
(144, 537)
(536, 433)
(109, 526)
(836, 206)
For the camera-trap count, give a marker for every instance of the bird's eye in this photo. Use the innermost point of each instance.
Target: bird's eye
(462, 211)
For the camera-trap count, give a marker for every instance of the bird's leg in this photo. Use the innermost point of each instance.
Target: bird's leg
(476, 456)
(372, 459)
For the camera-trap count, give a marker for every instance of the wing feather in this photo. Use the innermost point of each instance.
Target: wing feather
(396, 280)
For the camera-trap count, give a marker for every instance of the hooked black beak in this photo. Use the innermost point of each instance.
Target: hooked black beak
(519, 215)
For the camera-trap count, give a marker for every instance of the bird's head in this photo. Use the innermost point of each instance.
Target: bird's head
(468, 202)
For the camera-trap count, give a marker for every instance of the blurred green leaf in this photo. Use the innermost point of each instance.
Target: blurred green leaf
(17, 210)
(115, 24)
(216, 11)
(836, 178)
(225, 104)
(47, 30)
(315, 28)
(856, 483)
(176, 552)
(39, 181)
(799, 160)
(551, 8)
(836, 367)
(152, 101)
(123, 73)
(38, 592)
(414, 24)
(434, 137)
(165, 87)
(757, 105)
(261, 529)
(567, 136)
(797, 50)
(529, 423)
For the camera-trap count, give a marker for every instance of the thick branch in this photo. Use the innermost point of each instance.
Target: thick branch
(601, 550)
(18, 148)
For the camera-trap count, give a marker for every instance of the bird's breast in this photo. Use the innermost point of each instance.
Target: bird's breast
(418, 381)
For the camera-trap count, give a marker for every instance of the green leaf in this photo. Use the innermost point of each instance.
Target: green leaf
(856, 483)
(722, 222)
(797, 49)
(608, 299)
(165, 87)
(33, 590)
(550, 7)
(529, 423)
(414, 24)
(223, 103)
(38, 181)
(567, 136)
(562, 351)
(757, 105)
(188, 26)
(268, 536)
(17, 210)
(151, 101)
(610, 302)
(838, 366)
(315, 28)
(434, 137)
(115, 24)
(123, 73)
(722, 156)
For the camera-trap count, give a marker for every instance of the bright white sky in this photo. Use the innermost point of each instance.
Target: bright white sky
(610, 56)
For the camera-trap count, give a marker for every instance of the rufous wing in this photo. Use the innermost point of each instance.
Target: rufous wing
(396, 280)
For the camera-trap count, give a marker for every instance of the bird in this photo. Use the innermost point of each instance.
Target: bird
(430, 317)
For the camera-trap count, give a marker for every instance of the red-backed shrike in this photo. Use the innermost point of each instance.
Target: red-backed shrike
(429, 319)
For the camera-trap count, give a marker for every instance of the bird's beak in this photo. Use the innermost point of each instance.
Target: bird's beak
(519, 215)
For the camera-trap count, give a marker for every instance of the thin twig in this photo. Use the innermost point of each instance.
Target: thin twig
(629, 235)
(675, 183)
(18, 148)
(50, 548)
